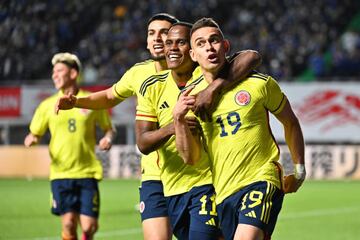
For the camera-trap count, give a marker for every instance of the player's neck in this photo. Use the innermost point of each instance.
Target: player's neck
(70, 90)
(211, 74)
(160, 65)
(181, 78)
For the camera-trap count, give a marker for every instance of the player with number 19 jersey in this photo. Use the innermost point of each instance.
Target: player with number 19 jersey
(239, 139)
(75, 127)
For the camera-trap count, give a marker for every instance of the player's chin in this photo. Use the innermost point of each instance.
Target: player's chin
(172, 64)
(212, 65)
(58, 86)
(158, 57)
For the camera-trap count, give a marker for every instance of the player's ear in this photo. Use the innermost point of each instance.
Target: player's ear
(73, 73)
(227, 45)
(192, 55)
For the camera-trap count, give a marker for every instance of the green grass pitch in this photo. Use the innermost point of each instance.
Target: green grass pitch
(321, 210)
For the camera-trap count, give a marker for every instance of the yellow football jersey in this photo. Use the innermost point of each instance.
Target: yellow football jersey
(241, 146)
(73, 140)
(129, 85)
(158, 97)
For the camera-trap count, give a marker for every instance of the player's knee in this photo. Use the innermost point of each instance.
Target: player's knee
(68, 233)
(89, 230)
(68, 237)
(69, 228)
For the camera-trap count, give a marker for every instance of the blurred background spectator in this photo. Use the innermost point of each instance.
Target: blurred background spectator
(299, 40)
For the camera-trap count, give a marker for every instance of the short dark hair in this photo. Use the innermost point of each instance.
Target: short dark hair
(205, 22)
(185, 24)
(163, 16)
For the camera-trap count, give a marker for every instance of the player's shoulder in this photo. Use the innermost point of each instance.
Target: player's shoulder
(255, 75)
(147, 64)
(154, 81)
(49, 101)
(141, 70)
(51, 98)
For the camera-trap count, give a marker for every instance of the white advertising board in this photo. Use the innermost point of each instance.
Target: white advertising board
(326, 161)
(322, 161)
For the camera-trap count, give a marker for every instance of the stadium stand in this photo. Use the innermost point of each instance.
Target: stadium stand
(301, 40)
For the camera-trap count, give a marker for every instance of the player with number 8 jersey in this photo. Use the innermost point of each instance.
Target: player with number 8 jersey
(74, 168)
(76, 126)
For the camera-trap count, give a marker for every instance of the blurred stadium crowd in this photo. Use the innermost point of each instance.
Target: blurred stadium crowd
(310, 39)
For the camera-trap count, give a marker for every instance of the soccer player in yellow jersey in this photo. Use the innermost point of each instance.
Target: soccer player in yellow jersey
(74, 169)
(188, 189)
(243, 153)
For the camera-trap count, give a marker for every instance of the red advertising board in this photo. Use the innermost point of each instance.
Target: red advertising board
(10, 102)
(328, 112)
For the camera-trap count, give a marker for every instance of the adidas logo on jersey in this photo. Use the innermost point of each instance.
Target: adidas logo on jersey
(211, 222)
(251, 214)
(164, 105)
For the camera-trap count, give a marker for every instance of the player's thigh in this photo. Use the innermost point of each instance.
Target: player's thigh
(203, 216)
(260, 205)
(179, 215)
(89, 197)
(65, 197)
(256, 205)
(157, 228)
(153, 204)
(248, 232)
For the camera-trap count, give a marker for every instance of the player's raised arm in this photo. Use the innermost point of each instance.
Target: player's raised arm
(232, 73)
(98, 100)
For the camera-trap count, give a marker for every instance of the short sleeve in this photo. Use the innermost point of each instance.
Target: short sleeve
(40, 121)
(275, 99)
(145, 110)
(124, 88)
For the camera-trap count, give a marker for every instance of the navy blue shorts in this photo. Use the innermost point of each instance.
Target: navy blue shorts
(75, 195)
(257, 204)
(193, 214)
(152, 200)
